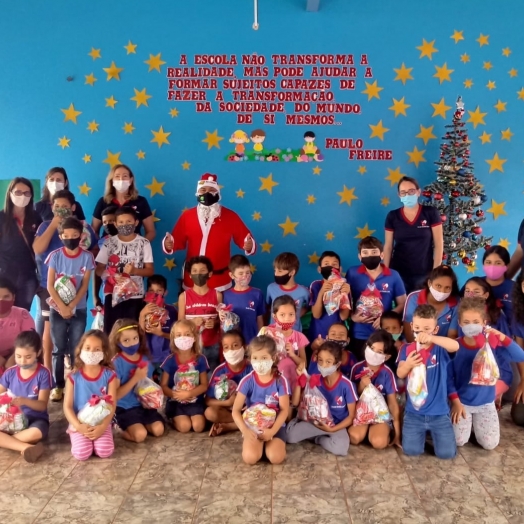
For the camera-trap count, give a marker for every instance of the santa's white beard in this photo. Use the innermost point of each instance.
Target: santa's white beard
(208, 213)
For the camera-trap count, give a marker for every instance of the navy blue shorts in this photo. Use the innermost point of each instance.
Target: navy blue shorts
(176, 409)
(40, 424)
(281, 434)
(137, 415)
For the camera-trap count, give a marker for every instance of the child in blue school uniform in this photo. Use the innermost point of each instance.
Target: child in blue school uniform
(517, 328)
(235, 368)
(265, 386)
(131, 363)
(442, 293)
(432, 412)
(495, 263)
(372, 283)
(373, 370)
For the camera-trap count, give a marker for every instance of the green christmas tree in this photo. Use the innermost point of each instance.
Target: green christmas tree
(458, 195)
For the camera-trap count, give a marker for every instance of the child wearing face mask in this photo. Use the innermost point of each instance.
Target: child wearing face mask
(264, 385)
(441, 292)
(185, 405)
(495, 263)
(235, 368)
(372, 370)
(29, 383)
(517, 328)
(68, 277)
(199, 304)
(131, 363)
(286, 266)
(473, 406)
(92, 376)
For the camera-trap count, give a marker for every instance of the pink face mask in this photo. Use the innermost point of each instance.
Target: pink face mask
(494, 272)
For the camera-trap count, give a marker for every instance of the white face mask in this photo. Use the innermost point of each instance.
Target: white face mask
(184, 343)
(374, 359)
(325, 372)
(472, 330)
(262, 367)
(438, 295)
(20, 201)
(121, 185)
(55, 186)
(91, 358)
(234, 357)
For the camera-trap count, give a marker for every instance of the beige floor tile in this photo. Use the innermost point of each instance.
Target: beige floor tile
(318, 508)
(237, 477)
(22, 507)
(291, 477)
(41, 476)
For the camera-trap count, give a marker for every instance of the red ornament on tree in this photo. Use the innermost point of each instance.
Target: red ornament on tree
(477, 230)
(455, 194)
(480, 213)
(437, 196)
(443, 218)
(466, 260)
(426, 193)
(487, 246)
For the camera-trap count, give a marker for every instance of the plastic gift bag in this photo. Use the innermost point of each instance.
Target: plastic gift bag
(279, 338)
(149, 394)
(96, 410)
(159, 316)
(313, 407)
(98, 320)
(228, 319)
(12, 418)
(65, 286)
(417, 389)
(484, 371)
(186, 379)
(372, 407)
(224, 387)
(124, 289)
(259, 417)
(369, 303)
(334, 299)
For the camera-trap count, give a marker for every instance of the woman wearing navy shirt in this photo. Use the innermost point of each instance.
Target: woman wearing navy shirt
(414, 239)
(495, 263)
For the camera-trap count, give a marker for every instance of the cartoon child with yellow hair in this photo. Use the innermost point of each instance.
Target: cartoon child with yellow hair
(239, 138)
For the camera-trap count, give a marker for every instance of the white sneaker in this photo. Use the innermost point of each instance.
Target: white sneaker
(57, 394)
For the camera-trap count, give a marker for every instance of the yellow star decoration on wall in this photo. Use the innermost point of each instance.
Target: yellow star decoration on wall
(330, 235)
(483, 40)
(362, 170)
(111, 102)
(487, 66)
(443, 73)
(112, 158)
(403, 73)
(457, 36)
(440, 109)
(506, 134)
(513, 72)
(113, 72)
(240, 193)
(476, 117)
(84, 189)
(496, 163)
(253, 268)
(141, 97)
(93, 126)
(427, 49)
(520, 94)
(504, 242)
(128, 128)
(426, 134)
(491, 85)
(317, 170)
(468, 83)
(186, 165)
(169, 263)
(130, 48)
(160, 137)
(497, 209)
(464, 58)
(500, 106)
(64, 142)
(155, 218)
(364, 232)
(288, 227)
(90, 79)
(266, 247)
(256, 216)
(416, 156)
(472, 268)
(384, 201)
(314, 258)
(485, 138)
(378, 130)
(399, 107)
(154, 62)
(86, 158)
(94, 53)
(173, 112)
(141, 155)
(347, 195)
(212, 139)
(311, 199)
(267, 183)
(71, 114)
(506, 52)
(372, 90)
(156, 187)
(394, 175)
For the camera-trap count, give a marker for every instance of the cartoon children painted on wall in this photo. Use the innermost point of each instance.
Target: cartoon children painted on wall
(239, 138)
(309, 149)
(257, 137)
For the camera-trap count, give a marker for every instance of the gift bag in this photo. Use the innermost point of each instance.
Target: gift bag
(65, 286)
(417, 389)
(159, 316)
(124, 289)
(186, 379)
(149, 394)
(98, 320)
(96, 410)
(313, 407)
(371, 407)
(369, 303)
(12, 418)
(279, 338)
(334, 299)
(228, 319)
(484, 371)
(259, 417)
(224, 387)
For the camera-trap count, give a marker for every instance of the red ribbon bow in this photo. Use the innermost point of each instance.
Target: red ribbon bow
(492, 339)
(95, 399)
(5, 399)
(185, 367)
(223, 307)
(154, 298)
(314, 381)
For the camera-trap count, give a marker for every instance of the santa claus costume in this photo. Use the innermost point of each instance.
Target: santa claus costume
(208, 230)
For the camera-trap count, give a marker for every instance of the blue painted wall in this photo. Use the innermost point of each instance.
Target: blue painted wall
(43, 43)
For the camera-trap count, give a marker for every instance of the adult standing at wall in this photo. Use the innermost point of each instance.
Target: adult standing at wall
(414, 238)
(208, 230)
(517, 259)
(18, 224)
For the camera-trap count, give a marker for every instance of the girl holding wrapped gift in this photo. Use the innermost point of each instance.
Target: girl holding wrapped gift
(184, 379)
(92, 384)
(132, 366)
(473, 375)
(223, 384)
(379, 348)
(340, 396)
(29, 383)
(265, 393)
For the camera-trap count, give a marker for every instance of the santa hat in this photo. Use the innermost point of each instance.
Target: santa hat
(208, 180)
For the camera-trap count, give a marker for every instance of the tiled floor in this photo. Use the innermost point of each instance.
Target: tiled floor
(195, 479)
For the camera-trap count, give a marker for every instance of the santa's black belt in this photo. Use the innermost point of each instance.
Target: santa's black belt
(215, 271)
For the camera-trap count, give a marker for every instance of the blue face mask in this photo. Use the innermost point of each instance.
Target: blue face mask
(129, 350)
(396, 336)
(409, 200)
(26, 366)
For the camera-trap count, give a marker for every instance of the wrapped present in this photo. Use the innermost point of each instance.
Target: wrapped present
(124, 288)
(334, 299)
(65, 286)
(417, 388)
(187, 378)
(149, 394)
(224, 387)
(159, 316)
(12, 418)
(369, 304)
(228, 319)
(371, 407)
(259, 417)
(484, 370)
(98, 318)
(280, 340)
(313, 406)
(96, 410)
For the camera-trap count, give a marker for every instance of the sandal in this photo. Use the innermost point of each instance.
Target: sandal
(216, 429)
(33, 453)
